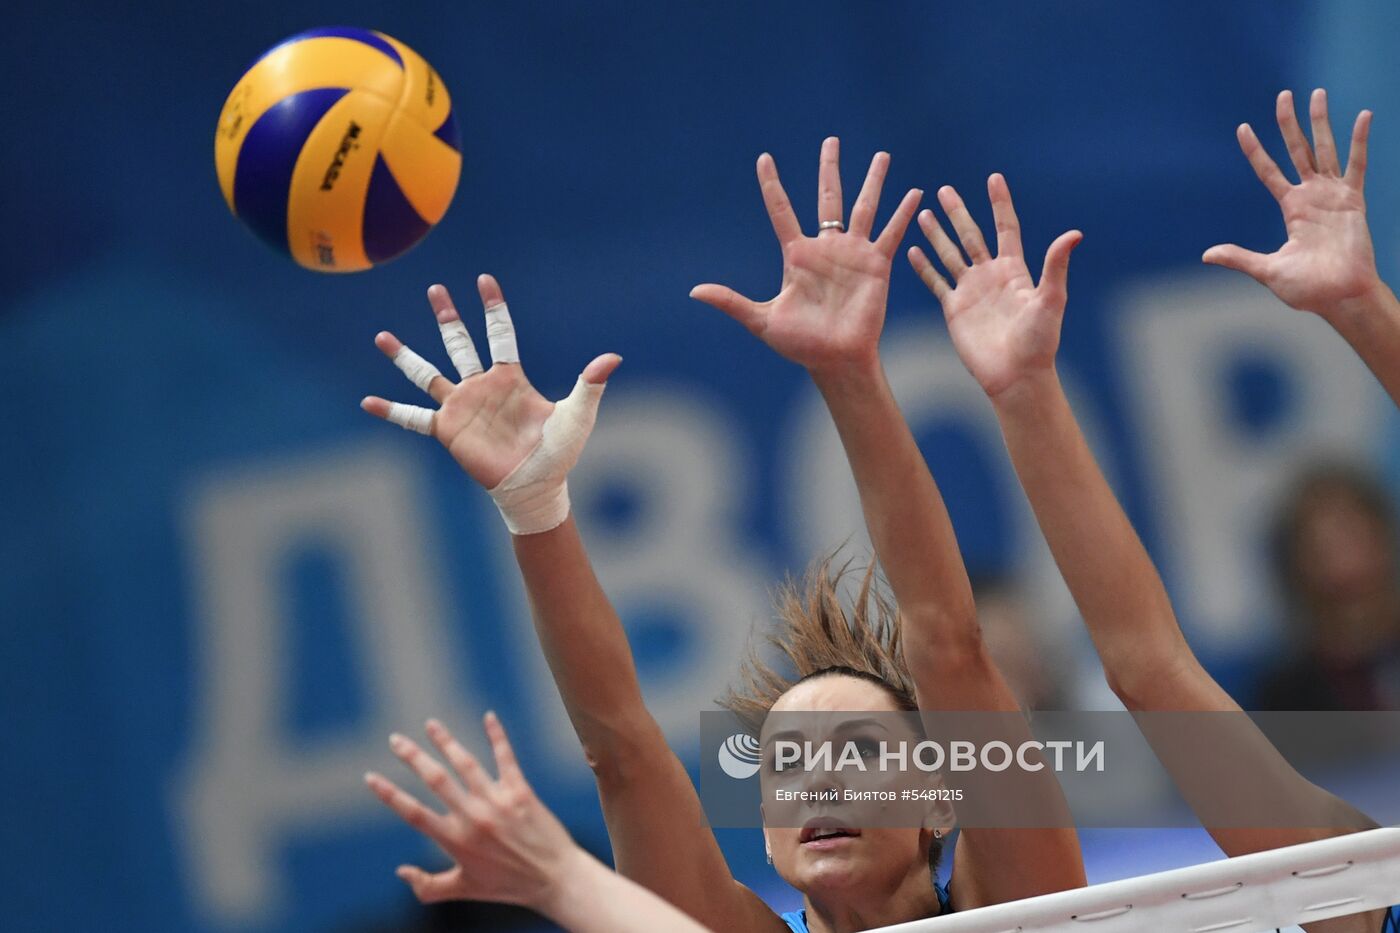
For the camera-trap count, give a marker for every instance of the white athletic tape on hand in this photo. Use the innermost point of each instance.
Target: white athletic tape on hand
(411, 417)
(418, 370)
(500, 334)
(535, 496)
(460, 348)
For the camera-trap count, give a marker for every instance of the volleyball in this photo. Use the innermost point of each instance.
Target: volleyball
(339, 148)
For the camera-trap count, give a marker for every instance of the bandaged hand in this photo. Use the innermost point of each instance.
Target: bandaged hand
(508, 437)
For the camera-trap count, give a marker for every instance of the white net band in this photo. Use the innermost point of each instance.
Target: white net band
(1300, 884)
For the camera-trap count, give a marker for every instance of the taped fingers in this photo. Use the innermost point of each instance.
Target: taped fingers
(418, 370)
(500, 330)
(409, 417)
(500, 335)
(455, 338)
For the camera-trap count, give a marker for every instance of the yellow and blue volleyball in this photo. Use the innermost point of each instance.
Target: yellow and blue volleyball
(339, 148)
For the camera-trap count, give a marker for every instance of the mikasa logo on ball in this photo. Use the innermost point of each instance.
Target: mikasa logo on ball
(347, 142)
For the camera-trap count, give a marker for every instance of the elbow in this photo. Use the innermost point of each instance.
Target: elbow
(1152, 676)
(942, 637)
(624, 751)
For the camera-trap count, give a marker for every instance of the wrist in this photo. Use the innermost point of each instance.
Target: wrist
(1027, 394)
(1373, 302)
(848, 375)
(566, 885)
(533, 508)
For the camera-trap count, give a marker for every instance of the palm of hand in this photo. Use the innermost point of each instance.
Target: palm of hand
(1328, 257)
(832, 303)
(1001, 324)
(491, 422)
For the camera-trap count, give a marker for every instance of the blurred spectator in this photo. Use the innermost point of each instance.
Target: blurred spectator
(1033, 667)
(1336, 553)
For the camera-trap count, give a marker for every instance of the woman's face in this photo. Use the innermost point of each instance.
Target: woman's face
(855, 860)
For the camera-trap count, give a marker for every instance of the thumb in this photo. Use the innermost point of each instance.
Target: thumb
(598, 371)
(429, 889)
(1054, 276)
(1238, 258)
(741, 309)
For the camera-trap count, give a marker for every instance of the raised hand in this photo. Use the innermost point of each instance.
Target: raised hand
(505, 844)
(508, 437)
(1004, 325)
(1327, 261)
(831, 306)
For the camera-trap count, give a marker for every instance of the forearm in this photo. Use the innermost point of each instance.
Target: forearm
(908, 523)
(647, 798)
(952, 669)
(588, 897)
(1371, 324)
(1112, 578)
(582, 637)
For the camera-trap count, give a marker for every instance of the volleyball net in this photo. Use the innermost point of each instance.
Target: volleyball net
(1335, 877)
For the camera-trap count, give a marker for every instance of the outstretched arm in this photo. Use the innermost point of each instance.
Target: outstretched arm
(1006, 329)
(827, 317)
(520, 447)
(506, 846)
(1327, 265)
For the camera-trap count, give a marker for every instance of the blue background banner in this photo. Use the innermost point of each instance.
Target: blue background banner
(223, 584)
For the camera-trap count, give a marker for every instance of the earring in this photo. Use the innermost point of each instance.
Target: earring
(768, 852)
(938, 834)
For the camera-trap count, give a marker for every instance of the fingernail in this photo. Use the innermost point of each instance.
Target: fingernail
(397, 742)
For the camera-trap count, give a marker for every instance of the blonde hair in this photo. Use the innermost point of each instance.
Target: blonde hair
(815, 637)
